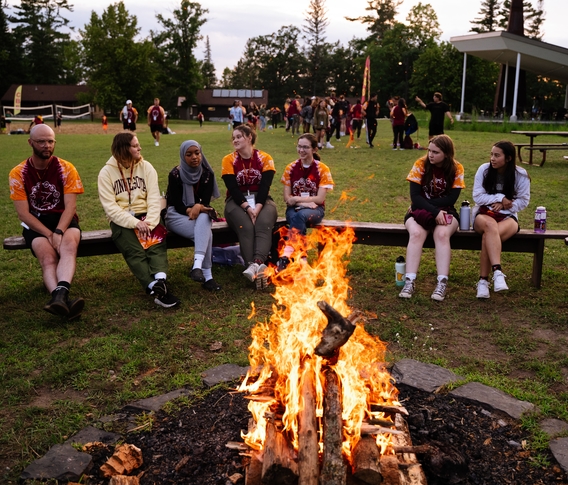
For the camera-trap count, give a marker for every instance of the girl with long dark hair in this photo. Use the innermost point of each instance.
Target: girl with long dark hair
(500, 191)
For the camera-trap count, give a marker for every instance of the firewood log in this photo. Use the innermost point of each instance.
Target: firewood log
(279, 465)
(333, 466)
(366, 461)
(308, 461)
(253, 471)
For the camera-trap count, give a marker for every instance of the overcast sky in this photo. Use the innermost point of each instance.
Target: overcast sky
(230, 23)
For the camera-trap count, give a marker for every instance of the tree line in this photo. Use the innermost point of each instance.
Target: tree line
(407, 58)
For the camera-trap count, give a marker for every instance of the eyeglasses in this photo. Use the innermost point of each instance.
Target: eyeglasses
(44, 142)
(304, 147)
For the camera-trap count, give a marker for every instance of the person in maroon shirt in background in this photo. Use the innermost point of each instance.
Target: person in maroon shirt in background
(156, 116)
(398, 116)
(357, 118)
(293, 115)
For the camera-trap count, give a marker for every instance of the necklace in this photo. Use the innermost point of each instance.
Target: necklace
(40, 172)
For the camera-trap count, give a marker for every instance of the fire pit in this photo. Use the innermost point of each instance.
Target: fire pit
(324, 406)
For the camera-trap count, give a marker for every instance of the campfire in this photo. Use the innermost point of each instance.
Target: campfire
(324, 408)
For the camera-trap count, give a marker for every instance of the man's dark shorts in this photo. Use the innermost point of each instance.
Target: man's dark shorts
(50, 221)
(129, 126)
(154, 128)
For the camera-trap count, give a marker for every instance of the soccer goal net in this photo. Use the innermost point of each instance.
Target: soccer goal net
(29, 113)
(73, 112)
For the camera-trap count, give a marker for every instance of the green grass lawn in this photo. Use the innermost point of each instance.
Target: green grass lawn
(57, 377)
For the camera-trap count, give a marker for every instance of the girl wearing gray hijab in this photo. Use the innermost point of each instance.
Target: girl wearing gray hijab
(191, 187)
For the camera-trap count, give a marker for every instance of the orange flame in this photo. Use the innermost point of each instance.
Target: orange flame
(282, 347)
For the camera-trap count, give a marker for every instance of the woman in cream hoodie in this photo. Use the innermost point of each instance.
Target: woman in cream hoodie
(130, 195)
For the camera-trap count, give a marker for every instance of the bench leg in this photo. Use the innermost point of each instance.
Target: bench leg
(538, 260)
(519, 154)
(543, 157)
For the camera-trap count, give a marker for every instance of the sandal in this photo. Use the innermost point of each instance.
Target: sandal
(211, 285)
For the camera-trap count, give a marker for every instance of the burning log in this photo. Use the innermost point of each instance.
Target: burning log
(308, 462)
(279, 466)
(333, 467)
(389, 409)
(254, 471)
(337, 331)
(366, 461)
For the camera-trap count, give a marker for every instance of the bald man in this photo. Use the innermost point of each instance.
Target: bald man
(44, 189)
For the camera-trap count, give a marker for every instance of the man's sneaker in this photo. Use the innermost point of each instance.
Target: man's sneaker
(159, 289)
(261, 277)
(196, 274)
(167, 301)
(439, 292)
(483, 289)
(251, 271)
(499, 281)
(408, 289)
(329, 145)
(75, 308)
(282, 263)
(211, 285)
(58, 303)
(394, 148)
(157, 143)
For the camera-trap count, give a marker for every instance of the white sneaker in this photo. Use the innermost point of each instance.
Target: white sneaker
(157, 143)
(261, 277)
(483, 289)
(439, 292)
(499, 281)
(408, 289)
(251, 271)
(329, 145)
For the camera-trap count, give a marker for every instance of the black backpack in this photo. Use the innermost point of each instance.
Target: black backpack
(410, 125)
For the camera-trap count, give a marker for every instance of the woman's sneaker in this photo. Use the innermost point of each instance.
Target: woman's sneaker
(167, 301)
(261, 277)
(251, 272)
(439, 292)
(499, 281)
(483, 289)
(408, 289)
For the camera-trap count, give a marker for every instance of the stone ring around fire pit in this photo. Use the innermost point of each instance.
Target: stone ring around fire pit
(64, 462)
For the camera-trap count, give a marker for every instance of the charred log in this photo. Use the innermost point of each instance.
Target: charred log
(366, 461)
(308, 461)
(336, 333)
(333, 467)
(279, 466)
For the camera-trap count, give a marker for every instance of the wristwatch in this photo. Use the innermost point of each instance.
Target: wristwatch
(58, 231)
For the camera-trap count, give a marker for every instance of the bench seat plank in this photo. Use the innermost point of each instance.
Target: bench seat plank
(99, 242)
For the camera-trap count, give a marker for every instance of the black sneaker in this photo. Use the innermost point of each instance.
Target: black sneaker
(159, 289)
(282, 263)
(75, 308)
(211, 285)
(58, 303)
(196, 274)
(167, 301)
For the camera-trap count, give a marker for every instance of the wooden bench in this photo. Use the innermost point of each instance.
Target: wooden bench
(534, 146)
(544, 148)
(94, 243)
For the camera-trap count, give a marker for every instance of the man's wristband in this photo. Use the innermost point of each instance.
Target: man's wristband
(58, 231)
(246, 208)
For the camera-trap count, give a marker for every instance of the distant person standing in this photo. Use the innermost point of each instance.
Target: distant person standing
(200, 118)
(371, 110)
(398, 116)
(129, 116)
(236, 114)
(8, 121)
(58, 120)
(105, 123)
(438, 109)
(156, 117)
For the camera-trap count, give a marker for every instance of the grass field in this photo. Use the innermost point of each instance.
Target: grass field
(57, 377)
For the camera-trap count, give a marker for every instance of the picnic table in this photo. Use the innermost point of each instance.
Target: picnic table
(531, 146)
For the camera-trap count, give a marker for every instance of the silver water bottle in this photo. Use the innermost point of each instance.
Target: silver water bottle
(465, 216)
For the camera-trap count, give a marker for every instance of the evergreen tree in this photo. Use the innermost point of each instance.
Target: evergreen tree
(39, 30)
(489, 17)
(316, 47)
(207, 67)
(533, 17)
(382, 21)
(11, 55)
(180, 73)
